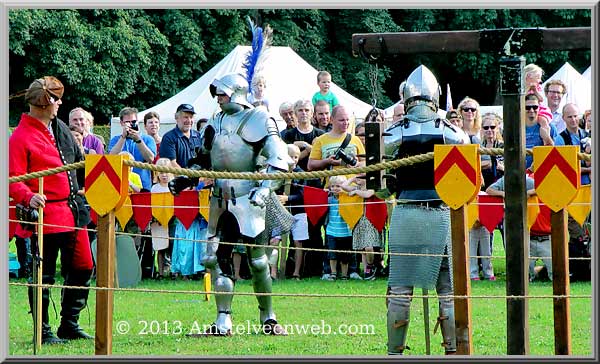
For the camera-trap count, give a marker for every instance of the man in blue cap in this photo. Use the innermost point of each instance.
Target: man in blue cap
(179, 144)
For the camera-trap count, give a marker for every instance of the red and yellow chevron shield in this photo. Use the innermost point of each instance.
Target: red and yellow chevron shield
(106, 182)
(457, 173)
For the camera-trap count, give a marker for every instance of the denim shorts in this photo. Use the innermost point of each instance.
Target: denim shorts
(335, 243)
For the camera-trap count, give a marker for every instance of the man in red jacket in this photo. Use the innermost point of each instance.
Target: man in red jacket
(41, 141)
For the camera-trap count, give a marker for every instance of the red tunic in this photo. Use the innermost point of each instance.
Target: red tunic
(32, 148)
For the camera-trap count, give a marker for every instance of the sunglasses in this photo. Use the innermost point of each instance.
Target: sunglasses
(488, 127)
(531, 107)
(467, 109)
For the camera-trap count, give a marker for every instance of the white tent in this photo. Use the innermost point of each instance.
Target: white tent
(579, 88)
(588, 73)
(289, 78)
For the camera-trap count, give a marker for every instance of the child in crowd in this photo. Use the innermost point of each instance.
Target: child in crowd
(324, 82)
(364, 235)
(189, 247)
(533, 84)
(77, 133)
(258, 95)
(160, 234)
(294, 201)
(135, 182)
(337, 231)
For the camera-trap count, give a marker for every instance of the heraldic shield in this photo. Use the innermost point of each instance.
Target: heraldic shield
(457, 173)
(106, 182)
(557, 175)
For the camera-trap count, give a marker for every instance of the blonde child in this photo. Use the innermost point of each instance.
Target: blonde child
(160, 234)
(295, 202)
(135, 182)
(258, 95)
(324, 93)
(337, 232)
(364, 235)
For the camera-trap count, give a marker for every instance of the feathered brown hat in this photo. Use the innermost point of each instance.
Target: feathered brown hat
(41, 90)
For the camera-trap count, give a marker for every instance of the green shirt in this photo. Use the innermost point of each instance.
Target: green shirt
(329, 97)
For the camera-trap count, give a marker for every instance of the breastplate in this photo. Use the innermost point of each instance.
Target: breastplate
(418, 138)
(229, 151)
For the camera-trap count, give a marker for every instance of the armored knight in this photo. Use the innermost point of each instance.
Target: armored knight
(239, 139)
(421, 222)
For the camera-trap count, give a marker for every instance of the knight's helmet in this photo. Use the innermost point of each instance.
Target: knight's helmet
(421, 87)
(233, 85)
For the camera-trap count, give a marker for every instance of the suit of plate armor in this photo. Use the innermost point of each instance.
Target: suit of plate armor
(240, 139)
(421, 222)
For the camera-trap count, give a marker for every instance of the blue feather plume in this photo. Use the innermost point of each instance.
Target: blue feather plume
(253, 56)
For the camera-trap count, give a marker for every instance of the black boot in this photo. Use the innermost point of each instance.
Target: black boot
(48, 337)
(73, 301)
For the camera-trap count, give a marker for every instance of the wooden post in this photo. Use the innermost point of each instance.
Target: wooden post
(105, 276)
(462, 282)
(560, 283)
(517, 237)
(37, 268)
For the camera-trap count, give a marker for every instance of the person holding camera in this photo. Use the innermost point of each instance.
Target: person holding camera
(40, 142)
(337, 148)
(142, 147)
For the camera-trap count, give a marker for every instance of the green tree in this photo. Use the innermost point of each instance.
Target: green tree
(111, 58)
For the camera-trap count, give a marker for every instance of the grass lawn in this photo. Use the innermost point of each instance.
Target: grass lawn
(166, 317)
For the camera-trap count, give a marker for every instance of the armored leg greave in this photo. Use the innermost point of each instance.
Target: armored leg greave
(220, 283)
(397, 319)
(261, 281)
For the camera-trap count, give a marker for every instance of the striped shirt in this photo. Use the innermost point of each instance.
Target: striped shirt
(336, 226)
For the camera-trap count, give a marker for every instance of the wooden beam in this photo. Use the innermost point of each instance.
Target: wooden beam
(560, 283)
(417, 42)
(462, 281)
(105, 277)
(472, 41)
(567, 38)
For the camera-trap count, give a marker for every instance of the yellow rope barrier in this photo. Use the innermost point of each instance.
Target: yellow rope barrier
(398, 163)
(318, 295)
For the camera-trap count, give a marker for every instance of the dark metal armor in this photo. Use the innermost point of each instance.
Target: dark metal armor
(420, 223)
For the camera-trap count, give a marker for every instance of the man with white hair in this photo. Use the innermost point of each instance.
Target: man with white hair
(398, 112)
(303, 134)
(286, 111)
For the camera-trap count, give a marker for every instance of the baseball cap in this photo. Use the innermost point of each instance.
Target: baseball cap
(186, 108)
(452, 114)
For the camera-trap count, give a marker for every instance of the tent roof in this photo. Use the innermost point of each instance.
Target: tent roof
(289, 78)
(588, 73)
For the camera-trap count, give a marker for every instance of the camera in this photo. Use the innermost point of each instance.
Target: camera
(134, 125)
(348, 159)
